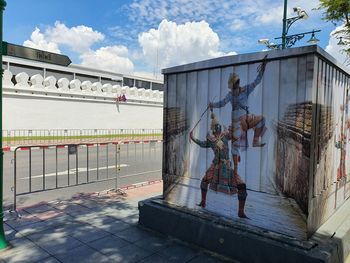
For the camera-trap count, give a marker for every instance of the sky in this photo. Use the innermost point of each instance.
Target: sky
(142, 37)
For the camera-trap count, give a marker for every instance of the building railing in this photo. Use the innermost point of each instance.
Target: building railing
(40, 168)
(45, 136)
(85, 89)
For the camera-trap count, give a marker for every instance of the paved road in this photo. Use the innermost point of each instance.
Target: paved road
(137, 162)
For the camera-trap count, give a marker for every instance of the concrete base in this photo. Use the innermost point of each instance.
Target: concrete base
(237, 240)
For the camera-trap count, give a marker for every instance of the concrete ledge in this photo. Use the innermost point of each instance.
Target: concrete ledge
(234, 239)
(337, 230)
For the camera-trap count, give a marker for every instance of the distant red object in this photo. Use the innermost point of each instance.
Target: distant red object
(121, 98)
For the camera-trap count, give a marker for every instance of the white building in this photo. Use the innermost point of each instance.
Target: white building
(44, 95)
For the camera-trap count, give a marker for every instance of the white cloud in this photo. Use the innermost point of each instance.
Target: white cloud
(271, 15)
(79, 38)
(173, 44)
(223, 13)
(256, 18)
(38, 41)
(333, 48)
(111, 58)
(237, 24)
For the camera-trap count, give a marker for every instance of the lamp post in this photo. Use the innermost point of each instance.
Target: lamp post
(284, 30)
(3, 242)
(289, 40)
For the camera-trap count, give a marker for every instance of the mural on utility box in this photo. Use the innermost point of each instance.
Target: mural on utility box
(258, 132)
(220, 175)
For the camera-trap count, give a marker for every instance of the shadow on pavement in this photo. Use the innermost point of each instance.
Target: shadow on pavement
(98, 227)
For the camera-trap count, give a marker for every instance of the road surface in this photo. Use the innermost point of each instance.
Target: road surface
(40, 169)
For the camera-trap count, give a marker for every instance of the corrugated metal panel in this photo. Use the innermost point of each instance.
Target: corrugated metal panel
(299, 97)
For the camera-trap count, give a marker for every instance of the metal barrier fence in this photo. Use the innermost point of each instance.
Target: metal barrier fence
(21, 137)
(45, 168)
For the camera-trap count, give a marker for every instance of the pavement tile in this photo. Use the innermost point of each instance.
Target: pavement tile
(59, 244)
(108, 245)
(108, 199)
(45, 236)
(134, 219)
(33, 228)
(63, 219)
(129, 254)
(152, 243)
(18, 244)
(155, 258)
(49, 260)
(48, 214)
(96, 220)
(70, 207)
(57, 230)
(10, 233)
(74, 209)
(88, 234)
(86, 216)
(71, 226)
(133, 234)
(18, 212)
(94, 204)
(203, 258)
(115, 226)
(27, 255)
(22, 221)
(78, 213)
(178, 253)
(120, 212)
(55, 203)
(66, 225)
(38, 208)
(82, 254)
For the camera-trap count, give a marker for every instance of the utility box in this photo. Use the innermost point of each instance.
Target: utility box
(270, 136)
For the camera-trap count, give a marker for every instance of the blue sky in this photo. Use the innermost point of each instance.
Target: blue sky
(145, 36)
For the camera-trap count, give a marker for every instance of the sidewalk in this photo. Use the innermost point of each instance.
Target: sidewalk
(97, 227)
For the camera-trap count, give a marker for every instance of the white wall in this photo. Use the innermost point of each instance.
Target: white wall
(36, 113)
(33, 105)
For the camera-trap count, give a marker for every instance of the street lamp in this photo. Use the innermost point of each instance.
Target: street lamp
(3, 242)
(341, 42)
(268, 44)
(290, 40)
(313, 40)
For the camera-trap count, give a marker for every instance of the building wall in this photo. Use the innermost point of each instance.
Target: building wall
(31, 102)
(25, 112)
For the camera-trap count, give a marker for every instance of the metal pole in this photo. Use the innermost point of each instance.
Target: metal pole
(284, 31)
(14, 183)
(3, 242)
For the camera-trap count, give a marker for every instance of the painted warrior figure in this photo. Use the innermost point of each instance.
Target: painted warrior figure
(220, 176)
(341, 145)
(241, 118)
(341, 141)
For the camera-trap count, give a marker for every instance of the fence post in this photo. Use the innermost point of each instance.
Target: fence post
(117, 165)
(3, 242)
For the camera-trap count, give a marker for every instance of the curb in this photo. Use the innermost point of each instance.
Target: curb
(124, 188)
(40, 147)
(138, 185)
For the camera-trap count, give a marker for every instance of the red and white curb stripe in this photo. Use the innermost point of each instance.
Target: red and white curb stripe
(27, 148)
(77, 197)
(137, 185)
